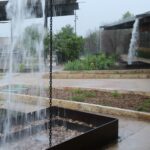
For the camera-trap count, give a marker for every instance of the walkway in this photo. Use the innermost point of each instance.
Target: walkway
(142, 85)
(109, 84)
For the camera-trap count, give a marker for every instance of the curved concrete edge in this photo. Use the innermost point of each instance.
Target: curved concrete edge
(120, 91)
(107, 71)
(99, 76)
(102, 74)
(102, 109)
(32, 100)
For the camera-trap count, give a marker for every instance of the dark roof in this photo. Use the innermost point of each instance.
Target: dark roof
(61, 8)
(2, 10)
(127, 23)
(122, 24)
(146, 14)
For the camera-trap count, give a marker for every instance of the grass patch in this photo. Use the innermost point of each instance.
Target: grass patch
(90, 93)
(81, 95)
(115, 94)
(77, 91)
(79, 98)
(83, 92)
(145, 106)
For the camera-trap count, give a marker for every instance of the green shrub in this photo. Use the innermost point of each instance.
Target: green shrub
(93, 62)
(145, 106)
(144, 54)
(21, 68)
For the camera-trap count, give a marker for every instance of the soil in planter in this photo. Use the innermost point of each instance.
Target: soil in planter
(114, 99)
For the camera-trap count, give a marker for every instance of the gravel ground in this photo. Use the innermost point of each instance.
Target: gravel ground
(40, 141)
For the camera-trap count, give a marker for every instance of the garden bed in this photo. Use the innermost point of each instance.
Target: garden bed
(128, 100)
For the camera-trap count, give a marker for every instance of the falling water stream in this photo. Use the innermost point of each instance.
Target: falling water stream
(134, 42)
(30, 54)
(26, 52)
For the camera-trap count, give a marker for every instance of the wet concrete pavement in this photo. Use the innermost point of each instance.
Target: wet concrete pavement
(109, 84)
(142, 85)
(133, 135)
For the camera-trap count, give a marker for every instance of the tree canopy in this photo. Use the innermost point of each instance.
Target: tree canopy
(31, 36)
(67, 44)
(127, 15)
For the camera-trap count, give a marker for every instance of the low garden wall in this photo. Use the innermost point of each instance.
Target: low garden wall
(103, 74)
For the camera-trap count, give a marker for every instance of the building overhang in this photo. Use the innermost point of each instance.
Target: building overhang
(128, 23)
(60, 8)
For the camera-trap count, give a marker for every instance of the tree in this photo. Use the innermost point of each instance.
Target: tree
(31, 37)
(127, 15)
(46, 45)
(67, 44)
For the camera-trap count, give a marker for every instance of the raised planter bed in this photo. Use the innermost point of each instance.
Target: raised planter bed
(102, 74)
(93, 131)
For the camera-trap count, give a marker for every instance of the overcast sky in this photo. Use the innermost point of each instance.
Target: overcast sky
(93, 13)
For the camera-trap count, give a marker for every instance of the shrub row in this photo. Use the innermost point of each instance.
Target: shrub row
(93, 62)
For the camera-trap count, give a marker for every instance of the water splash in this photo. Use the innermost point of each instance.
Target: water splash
(134, 42)
(25, 51)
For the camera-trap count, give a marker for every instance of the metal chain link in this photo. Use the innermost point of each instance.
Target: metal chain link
(50, 72)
